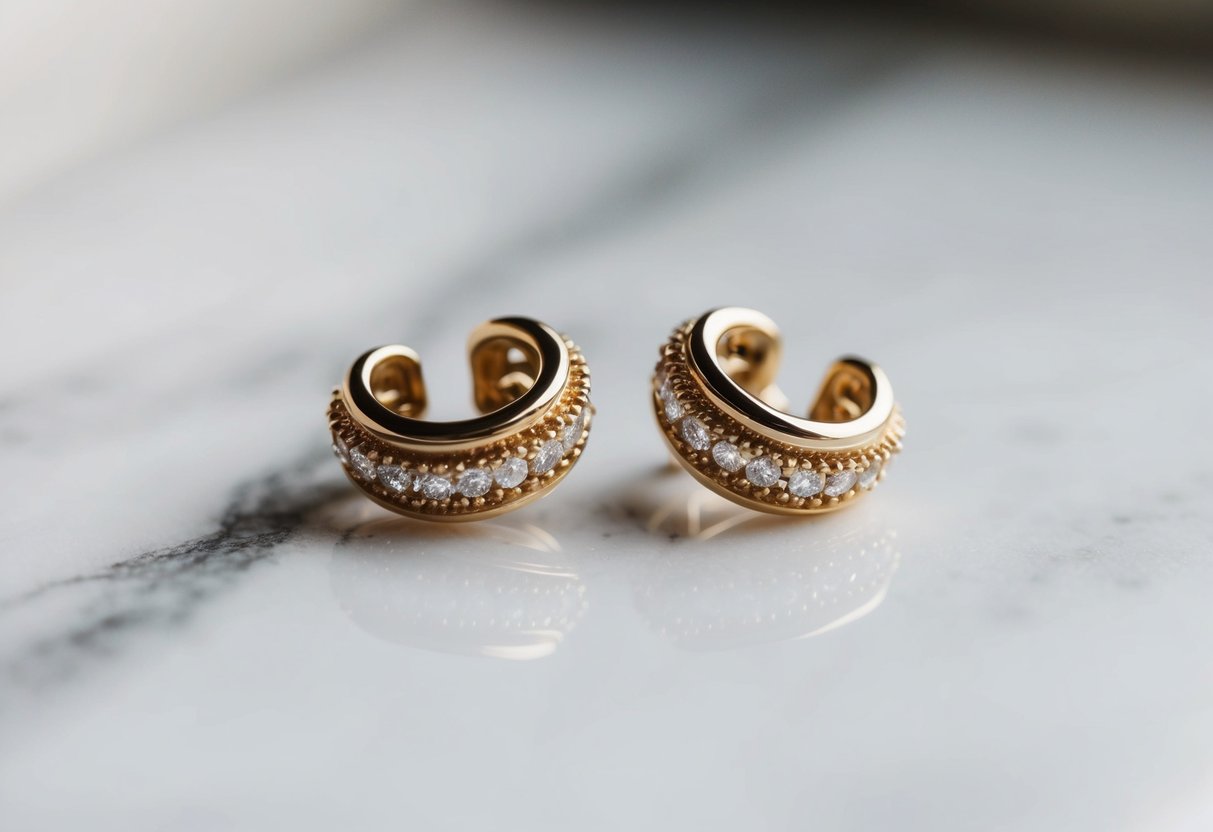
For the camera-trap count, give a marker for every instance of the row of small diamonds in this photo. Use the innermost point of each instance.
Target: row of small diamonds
(471, 483)
(762, 471)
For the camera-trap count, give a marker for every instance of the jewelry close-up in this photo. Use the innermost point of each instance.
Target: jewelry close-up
(726, 422)
(532, 387)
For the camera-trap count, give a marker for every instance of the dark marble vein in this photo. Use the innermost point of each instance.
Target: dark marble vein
(166, 587)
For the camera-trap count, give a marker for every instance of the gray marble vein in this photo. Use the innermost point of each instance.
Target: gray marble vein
(158, 590)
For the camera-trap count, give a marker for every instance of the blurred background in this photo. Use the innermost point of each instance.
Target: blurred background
(208, 209)
(80, 80)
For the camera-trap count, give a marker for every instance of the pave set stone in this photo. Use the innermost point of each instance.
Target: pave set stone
(572, 433)
(511, 473)
(395, 478)
(549, 454)
(727, 456)
(362, 463)
(762, 471)
(805, 483)
(474, 482)
(695, 433)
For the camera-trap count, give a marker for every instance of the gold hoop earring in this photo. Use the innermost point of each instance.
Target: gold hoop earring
(726, 422)
(529, 382)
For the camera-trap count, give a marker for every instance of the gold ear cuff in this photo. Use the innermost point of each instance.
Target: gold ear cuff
(529, 382)
(726, 422)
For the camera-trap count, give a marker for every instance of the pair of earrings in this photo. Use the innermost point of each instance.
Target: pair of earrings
(713, 393)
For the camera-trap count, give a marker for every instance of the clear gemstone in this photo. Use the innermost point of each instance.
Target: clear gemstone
(762, 471)
(867, 478)
(666, 390)
(805, 483)
(363, 463)
(672, 410)
(510, 473)
(570, 435)
(474, 482)
(547, 457)
(341, 449)
(727, 456)
(840, 483)
(434, 487)
(394, 477)
(695, 433)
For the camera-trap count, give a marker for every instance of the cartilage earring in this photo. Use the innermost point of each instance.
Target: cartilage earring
(727, 423)
(531, 386)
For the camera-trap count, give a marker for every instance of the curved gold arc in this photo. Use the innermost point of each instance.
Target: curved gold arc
(750, 404)
(513, 394)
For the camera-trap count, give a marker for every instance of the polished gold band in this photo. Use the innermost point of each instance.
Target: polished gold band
(726, 422)
(531, 386)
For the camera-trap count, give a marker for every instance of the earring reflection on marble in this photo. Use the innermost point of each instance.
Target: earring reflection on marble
(726, 422)
(532, 387)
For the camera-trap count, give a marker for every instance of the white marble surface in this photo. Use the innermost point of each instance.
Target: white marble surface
(201, 627)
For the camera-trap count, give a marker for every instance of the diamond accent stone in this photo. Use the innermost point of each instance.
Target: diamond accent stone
(362, 463)
(762, 472)
(727, 456)
(867, 477)
(666, 390)
(570, 435)
(547, 457)
(474, 482)
(840, 483)
(805, 483)
(695, 433)
(434, 487)
(672, 410)
(511, 473)
(395, 478)
(341, 449)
